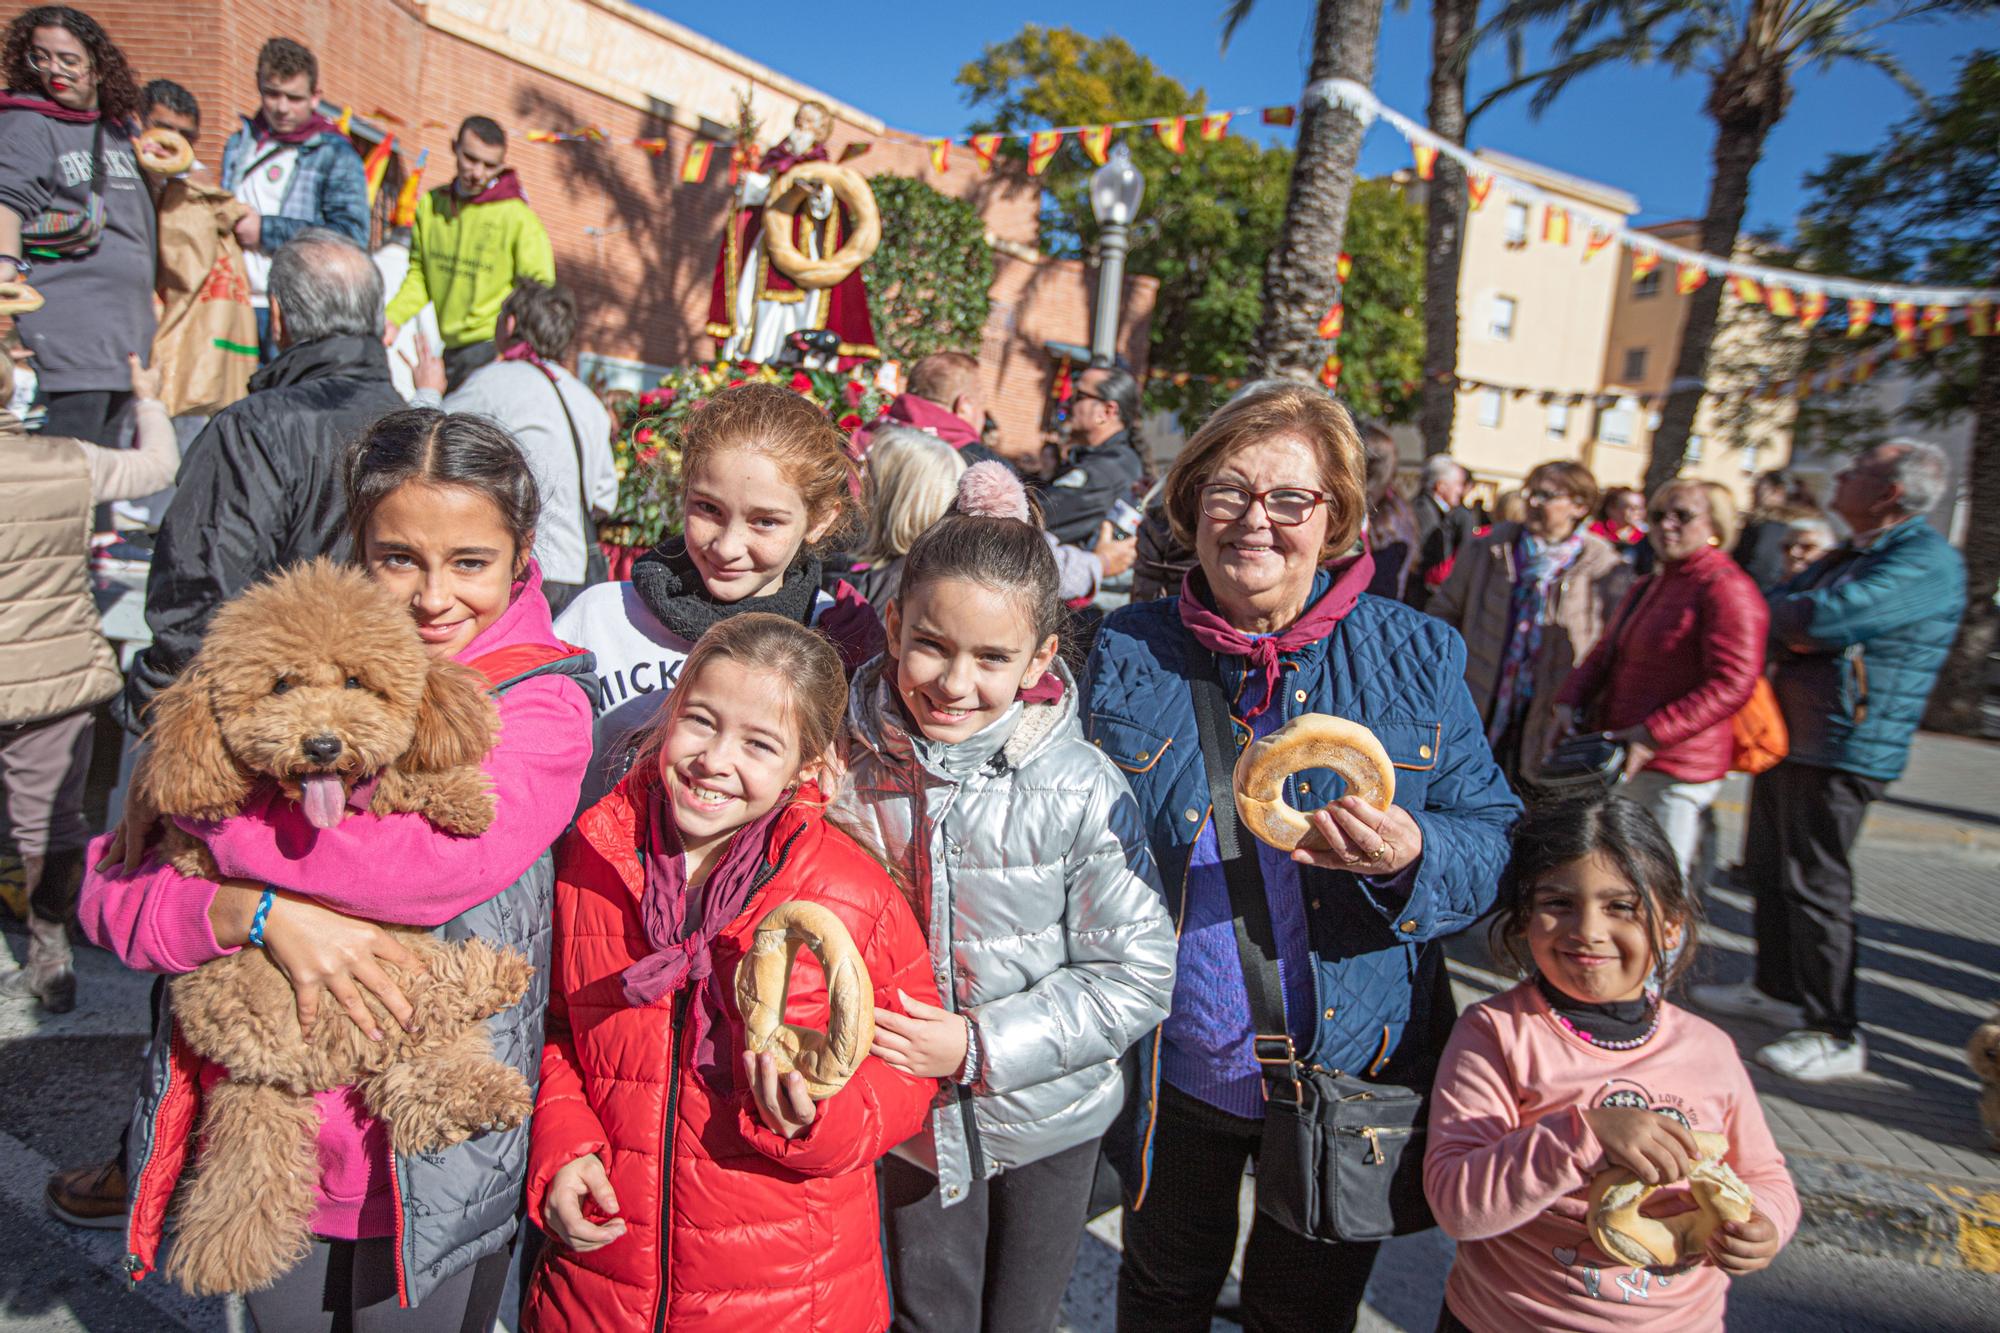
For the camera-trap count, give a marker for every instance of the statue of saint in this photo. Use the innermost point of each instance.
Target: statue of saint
(753, 307)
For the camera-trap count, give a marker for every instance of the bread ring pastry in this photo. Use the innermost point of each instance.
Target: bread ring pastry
(1310, 740)
(18, 298)
(826, 1059)
(180, 153)
(1620, 1230)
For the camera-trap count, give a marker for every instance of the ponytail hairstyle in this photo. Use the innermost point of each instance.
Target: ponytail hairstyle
(992, 536)
(436, 448)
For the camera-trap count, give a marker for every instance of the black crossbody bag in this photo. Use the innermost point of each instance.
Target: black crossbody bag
(1342, 1158)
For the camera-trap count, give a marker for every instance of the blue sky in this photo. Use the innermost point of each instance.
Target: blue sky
(1639, 129)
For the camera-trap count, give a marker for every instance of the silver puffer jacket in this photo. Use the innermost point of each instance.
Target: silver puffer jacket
(1046, 923)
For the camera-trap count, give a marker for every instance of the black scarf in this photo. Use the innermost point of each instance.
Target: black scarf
(671, 587)
(1610, 1022)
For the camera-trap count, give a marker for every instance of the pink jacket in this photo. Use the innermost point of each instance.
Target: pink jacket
(156, 920)
(1510, 1160)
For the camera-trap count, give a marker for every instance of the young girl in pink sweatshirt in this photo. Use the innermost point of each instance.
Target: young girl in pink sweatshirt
(1583, 1067)
(442, 510)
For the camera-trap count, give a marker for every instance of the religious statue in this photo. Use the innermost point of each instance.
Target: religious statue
(760, 298)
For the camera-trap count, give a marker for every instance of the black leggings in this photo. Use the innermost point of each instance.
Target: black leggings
(1179, 1244)
(349, 1286)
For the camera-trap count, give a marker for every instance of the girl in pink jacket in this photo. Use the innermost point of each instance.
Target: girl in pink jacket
(442, 510)
(1584, 1067)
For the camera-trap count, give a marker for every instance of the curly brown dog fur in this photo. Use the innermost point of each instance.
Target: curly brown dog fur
(1982, 1052)
(312, 677)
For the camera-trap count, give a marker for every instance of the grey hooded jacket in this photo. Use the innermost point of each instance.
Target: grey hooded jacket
(1044, 914)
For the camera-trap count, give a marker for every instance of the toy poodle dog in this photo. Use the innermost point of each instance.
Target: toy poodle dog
(1983, 1054)
(316, 681)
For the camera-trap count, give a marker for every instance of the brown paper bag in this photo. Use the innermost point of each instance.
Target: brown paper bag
(207, 340)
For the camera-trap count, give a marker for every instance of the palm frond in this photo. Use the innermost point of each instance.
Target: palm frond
(1233, 15)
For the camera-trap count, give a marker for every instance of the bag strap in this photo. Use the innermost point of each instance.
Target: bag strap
(576, 443)
(1256, 941)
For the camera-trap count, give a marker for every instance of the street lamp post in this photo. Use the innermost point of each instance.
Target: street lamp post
(1115, 191)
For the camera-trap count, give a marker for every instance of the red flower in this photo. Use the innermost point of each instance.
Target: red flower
(644, 435)
(667, 395)
(801, 382)
(856, 391)
(850, 422)
(748, 367)
(648, 455)
(733, 383)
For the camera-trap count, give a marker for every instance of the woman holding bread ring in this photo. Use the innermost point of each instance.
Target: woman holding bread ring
(1270, 495)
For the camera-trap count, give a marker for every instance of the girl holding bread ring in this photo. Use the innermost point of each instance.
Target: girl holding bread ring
(1565, 1104)
(1388, 839)
(741, 1184)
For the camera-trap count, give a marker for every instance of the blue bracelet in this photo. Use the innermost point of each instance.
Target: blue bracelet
(257, 920)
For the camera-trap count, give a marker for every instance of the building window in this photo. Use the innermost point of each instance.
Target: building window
(1489, 407)
(1558, 420)
(1635, 364)
(1614, 425)
(1646, 284)
(1517, 224)
(1500, 318)
(1694, 449)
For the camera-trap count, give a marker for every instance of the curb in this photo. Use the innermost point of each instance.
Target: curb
(1930, 1220)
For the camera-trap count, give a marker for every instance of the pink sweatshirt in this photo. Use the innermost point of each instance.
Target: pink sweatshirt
(396, 868)
(1510, 1160)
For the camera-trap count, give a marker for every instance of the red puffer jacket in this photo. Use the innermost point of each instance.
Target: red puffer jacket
(764, 1233)
(1685, 652)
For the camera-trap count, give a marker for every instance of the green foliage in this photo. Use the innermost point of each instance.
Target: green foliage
(1209, 221)
(928, 282)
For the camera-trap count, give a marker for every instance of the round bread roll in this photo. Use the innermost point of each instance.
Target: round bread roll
(851, 189)
(18, 298)
(1620, 1230)
(826, 1059)
(1311, 740)
(179, 153)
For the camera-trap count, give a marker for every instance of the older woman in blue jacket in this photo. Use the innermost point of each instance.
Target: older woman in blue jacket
(1267, 493)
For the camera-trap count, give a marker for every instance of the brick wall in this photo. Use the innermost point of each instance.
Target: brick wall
(636, 245)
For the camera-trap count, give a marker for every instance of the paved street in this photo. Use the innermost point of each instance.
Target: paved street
(1930, 868)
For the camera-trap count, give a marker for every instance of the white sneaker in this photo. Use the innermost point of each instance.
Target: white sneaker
(1744, 1000)
(1815, 1057)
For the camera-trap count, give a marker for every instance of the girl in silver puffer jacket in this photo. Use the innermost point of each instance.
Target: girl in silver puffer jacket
(1020, 847)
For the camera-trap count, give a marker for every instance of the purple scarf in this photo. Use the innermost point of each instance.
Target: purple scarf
(1538, 567)
(1350, 579)
(315, 124)
(683, 949)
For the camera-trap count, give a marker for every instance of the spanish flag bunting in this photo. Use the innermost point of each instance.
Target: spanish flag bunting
(1802, 386)
(1780, 300)
(1214, 125)
(1903, 318)
(653, 147)
(1860, 314)
(1329, 374)
(1478, 185)
(376, 165)
(383, 113)
(1181, 377)
(1280, 115)
(940, 156)
(1937, 327)
(1343, 266)
(1096, 141)
(544, 136)
(1835, 378)
(406, 198)
(1330, 323)
(1644, 262)
(1042, 145)
(1811, 308)
(1427, 159)
(1690, 278)
(1746, 289)
(1864, 370)
(1555, 225)
(986, 147)
(1979, 319)
(346, 122)
(1599, 238)
(694, 167)
(1173, 133)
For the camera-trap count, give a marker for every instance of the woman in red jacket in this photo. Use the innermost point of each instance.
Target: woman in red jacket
(684, 1184)
(1685, 651)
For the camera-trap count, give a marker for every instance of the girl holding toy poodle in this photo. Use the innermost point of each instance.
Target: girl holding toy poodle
(766, 480)
(683, 1182)
(442, 510)
(1583, 1068)
(1023, 855)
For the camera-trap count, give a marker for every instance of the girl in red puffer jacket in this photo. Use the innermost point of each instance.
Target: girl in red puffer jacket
(685, 1184)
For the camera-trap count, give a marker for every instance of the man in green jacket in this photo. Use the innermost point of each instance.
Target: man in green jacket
(472, 239)
(1857, 640)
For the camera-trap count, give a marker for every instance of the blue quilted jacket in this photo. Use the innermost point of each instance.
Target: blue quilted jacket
(1378, 968)
(329, 187)
(1857, 641)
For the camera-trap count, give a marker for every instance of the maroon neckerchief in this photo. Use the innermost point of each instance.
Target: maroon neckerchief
(779, 158)
(13, 101)
(1350, 580)
(506, 185)
(683, 949)
(315, 125)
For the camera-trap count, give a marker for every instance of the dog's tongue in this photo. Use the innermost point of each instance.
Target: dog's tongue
(323, 798)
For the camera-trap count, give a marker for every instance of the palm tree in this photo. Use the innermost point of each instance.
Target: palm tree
(1452, 33)
(1750, 50)
(1299, 279)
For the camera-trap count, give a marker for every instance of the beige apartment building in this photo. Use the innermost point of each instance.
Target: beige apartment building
(1563, 353)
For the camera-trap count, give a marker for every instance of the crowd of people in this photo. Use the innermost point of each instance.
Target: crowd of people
(869, 674)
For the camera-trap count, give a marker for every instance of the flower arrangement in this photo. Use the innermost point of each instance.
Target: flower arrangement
(647, 448)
